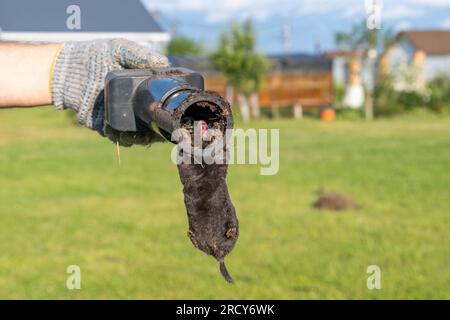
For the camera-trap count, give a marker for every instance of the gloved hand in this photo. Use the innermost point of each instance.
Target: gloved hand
(79, 75)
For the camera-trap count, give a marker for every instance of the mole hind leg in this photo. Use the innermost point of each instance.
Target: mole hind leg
(192, 237)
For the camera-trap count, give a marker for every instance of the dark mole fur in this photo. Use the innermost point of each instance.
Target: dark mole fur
(213, 225)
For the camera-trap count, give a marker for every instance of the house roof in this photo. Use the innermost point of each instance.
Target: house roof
(201, 64)
(434, 42)
(332, 54)
(96, 16)
(297, 62)
(301, 62)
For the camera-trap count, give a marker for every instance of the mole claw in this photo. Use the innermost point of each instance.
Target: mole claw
(191, 236)
(231, 233)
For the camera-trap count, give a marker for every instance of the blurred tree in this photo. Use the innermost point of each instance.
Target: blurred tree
(184, 46)
(361, 44)
(388, 39)
(359, 38)
(242, 66)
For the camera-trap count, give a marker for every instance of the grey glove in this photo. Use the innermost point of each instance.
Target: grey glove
(79, 76)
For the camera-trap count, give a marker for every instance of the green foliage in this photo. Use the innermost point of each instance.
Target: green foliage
(349, 114)
(388, 39)
(362, 38)
(237, 58)
(359, 37)
(440, 93)
(184, 46)
(65, 200)
(339, 93)
(435, 96)
(387, 99)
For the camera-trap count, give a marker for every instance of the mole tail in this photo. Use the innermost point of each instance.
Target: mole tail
(224, 271)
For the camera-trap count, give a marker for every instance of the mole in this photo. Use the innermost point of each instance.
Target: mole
(213, 224)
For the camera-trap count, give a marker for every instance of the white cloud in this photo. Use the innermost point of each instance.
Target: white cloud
(400, 11)
(403, 25)
(322, 6)
(432, 3)
(223, 10)
(354, 11)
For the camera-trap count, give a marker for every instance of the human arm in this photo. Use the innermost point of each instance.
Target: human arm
(25, 74)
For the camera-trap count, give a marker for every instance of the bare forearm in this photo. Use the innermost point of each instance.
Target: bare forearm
(25, 74)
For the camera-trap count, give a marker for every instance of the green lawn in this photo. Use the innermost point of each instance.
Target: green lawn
(65, 200)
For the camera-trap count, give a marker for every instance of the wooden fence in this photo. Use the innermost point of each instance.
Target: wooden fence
(286, 89)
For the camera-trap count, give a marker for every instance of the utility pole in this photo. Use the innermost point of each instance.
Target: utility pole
(373, 23)
(286, 37)
(174, 28)
(317, 47)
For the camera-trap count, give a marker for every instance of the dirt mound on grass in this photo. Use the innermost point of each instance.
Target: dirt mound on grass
(334, 201)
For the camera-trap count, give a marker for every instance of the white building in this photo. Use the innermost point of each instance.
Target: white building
(64, 20)
(427, 49)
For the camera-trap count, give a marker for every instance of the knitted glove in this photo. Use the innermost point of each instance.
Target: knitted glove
(78, 79)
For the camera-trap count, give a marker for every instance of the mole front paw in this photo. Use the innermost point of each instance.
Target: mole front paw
(231, 233)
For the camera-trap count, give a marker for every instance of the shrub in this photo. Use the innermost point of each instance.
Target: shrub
(439, 93)
(386, 98)
(349, 114)
(339, 92)
(435, 96)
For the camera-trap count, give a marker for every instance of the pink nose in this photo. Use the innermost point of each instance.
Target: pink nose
(203, 127)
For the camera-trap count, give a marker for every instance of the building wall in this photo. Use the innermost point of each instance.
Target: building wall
(401, 53)
(433, 65)
(156, 41)
(340, 73)
(436, 65)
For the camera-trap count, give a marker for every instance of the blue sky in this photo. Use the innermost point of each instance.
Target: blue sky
(312, 22)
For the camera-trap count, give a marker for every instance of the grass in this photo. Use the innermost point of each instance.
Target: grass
(65, 200)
